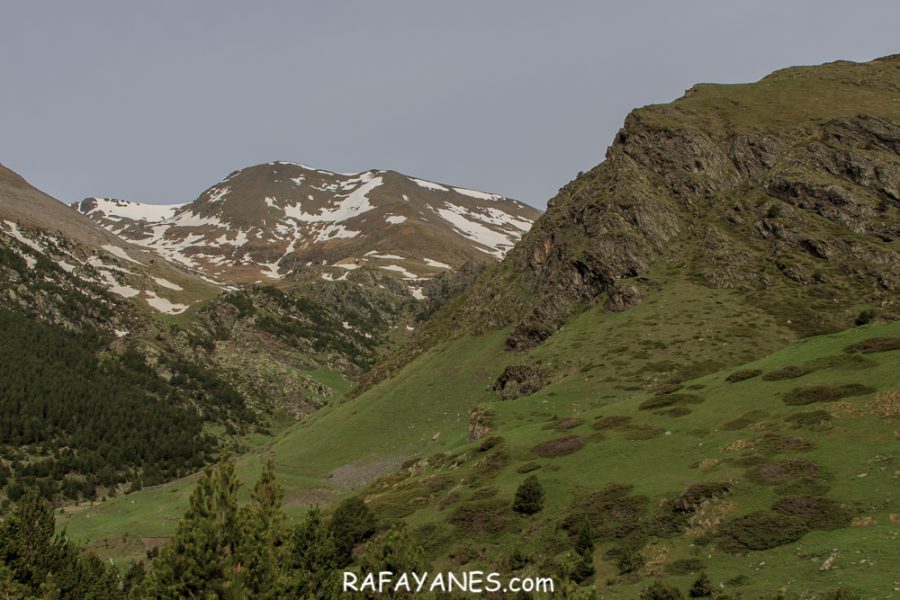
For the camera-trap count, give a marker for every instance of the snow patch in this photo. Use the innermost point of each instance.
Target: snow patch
(14, 232)
(477, 194)
(125, 209)
(115, 287)
(434, 263)
(499, 242)
(429, 185)
(167, 284)
(119, 252)
(163, 305)
(216, 194)
(395, 219)
(397, 268)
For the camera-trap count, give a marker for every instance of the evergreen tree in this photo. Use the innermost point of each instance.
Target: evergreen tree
(133, 581)
(200, 559)
(395, 552)
(311, 561)
(263, 535)
(351, 523)
(584, 541)
(660, 591)
(39, 562)
(584, 568)
(26, 540)
(529, 496)
(701, 587)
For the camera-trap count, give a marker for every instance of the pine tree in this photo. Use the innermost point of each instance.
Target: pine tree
(584, 568)
(661, 591)
(200, 559)
(701, 587)
(43, 563)
(310, 562)
(529, 496)
(262, 540)
(584, 542)
(351, 523)
(26, 540)
(393, 551)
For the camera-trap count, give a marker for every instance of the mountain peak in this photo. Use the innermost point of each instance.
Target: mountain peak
(269, 220)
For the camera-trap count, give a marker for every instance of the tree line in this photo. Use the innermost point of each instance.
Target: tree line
(76, 418)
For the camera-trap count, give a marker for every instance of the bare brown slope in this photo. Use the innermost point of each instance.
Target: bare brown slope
(274, 220)
(43, 219)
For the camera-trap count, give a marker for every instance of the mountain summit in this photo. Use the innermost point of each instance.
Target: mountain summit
(268, 221)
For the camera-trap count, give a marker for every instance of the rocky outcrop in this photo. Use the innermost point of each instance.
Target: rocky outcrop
(720, 184)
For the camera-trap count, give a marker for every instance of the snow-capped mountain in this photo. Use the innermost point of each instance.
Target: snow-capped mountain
(268, 221)
(64, 247)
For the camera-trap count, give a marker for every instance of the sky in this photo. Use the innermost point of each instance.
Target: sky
(157, 101)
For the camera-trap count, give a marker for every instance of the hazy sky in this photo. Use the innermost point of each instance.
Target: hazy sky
(156, 101)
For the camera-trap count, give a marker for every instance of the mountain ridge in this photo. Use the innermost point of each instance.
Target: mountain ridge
(267, 221)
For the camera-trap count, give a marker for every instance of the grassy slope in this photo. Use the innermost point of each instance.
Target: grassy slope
(608, 363)
(607, 358)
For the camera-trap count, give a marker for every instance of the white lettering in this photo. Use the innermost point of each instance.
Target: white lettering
(350, 580)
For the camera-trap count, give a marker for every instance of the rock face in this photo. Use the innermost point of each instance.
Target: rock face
(785, 190)
(274, 220)
(788, 188)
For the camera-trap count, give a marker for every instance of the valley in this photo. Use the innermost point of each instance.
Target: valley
(694, 351)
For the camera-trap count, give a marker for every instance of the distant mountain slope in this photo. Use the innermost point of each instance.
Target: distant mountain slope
(639, 352)
(272, 220)
(39, 227)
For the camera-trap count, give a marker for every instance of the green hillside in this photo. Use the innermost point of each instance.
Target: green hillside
(595, 434)
(694, 351)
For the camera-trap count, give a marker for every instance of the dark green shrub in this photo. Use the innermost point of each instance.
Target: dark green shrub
(611, 513)
(559, 446)
(642, 432)
(660, 591)
(739, 423)
(743, 375)
(875, 344)
(788, 372)
(784, 471)
(528, 467)
(701, 588)
(814, 511)
(809, 420)
(824, 393)
(583, 569)
(760, 530)
(675, 411)
(518, 560)
(773, 443)
(684, 566)
(691, 498)
(351, 523)
(610, 422)
(628, 559)
(490, 442)
(668, 400)
(529, 496)
(865, 317)
(484, 517)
